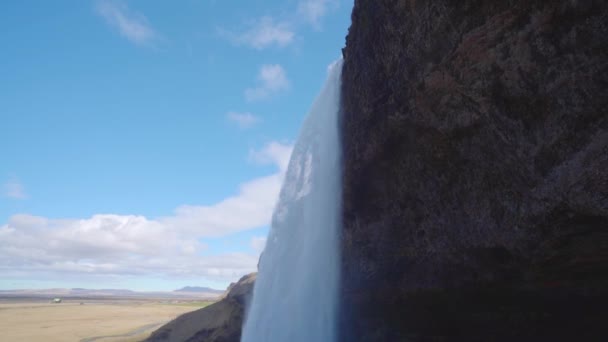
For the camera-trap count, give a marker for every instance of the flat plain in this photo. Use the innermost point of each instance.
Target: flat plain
(87, 320)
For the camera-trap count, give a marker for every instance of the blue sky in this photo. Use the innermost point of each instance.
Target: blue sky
(144, 142)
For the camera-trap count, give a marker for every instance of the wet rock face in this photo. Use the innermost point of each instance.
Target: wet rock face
(475, 139)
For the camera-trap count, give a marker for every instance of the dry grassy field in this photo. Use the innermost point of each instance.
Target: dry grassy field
(94, 320)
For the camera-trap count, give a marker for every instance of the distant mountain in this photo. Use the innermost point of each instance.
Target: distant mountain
(102, 292)
(198, 289)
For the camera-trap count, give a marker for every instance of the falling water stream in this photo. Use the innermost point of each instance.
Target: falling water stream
(295, 294)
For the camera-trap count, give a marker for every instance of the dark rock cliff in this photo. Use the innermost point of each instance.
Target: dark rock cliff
(475, 141)
(219, 322)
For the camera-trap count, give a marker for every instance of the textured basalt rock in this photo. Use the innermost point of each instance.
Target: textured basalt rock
(475, 139)
(219, 322)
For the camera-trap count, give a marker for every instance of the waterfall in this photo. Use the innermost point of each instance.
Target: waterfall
(295, 295)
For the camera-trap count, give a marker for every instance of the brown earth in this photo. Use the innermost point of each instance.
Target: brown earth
(34, 321)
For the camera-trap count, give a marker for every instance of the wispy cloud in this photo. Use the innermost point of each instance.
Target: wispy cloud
(132, 25)
(14, 189)
(272, 79)
(123, 245)
(268, 31)
(262, 33)
(312, 11)
(243, 120)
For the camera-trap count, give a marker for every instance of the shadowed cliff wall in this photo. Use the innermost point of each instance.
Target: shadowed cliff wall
(475, 139)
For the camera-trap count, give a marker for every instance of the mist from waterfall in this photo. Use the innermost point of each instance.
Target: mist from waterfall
(295, 295)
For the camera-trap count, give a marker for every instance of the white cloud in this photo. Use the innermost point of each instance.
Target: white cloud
(267, 31)
(14, 189)
(272, 79)
(133, 26)
(262, 33)
(120, 245)
(273, 153)
(312, 11)
(258, 243)
(243, 120)
(251, 208)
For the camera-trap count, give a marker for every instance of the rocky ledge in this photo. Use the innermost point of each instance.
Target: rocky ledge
(219, 322)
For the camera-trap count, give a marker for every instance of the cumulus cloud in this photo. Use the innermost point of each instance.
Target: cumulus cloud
(272, 79)
(14, 189)
(118, 245)
(243, 120)
(132, 25)
(109, 245)
(262, 33)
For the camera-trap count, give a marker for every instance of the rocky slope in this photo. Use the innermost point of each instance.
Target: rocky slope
(475, 141)
(219, 322)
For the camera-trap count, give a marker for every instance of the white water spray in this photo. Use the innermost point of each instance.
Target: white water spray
(295, 295)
